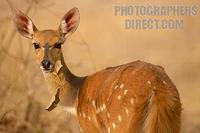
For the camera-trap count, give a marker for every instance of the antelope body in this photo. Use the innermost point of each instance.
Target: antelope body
(133, 98)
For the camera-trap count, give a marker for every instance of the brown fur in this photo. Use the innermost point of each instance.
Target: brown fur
(132, 98)
(156, 107)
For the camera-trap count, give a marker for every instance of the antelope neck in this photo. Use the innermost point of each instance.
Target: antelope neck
(63, 85)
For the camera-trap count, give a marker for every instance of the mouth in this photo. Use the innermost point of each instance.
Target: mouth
(47, 70)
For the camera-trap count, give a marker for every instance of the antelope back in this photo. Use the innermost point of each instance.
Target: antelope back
(122, 99)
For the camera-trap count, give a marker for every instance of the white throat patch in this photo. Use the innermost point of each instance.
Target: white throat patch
(58, 66)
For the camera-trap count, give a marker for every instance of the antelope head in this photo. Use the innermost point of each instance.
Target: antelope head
(47, 43)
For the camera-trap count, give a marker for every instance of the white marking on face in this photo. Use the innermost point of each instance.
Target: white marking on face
(119, 118)
(122, 85)
(113, 125)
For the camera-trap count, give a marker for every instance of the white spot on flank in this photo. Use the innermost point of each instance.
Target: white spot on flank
(119, 97)
(132, 101)
(164, 82)
(104, 106)
(98, 110)
(108, 115)
(149, 82)
(101, 108)
(116, 87)
(108, 129)
(113, 125)
(84, 115)
(93, 103)
(122, 85)
(125, 92)
(126, 110)
(119, 118)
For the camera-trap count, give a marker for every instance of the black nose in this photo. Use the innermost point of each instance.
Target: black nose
(46, 64)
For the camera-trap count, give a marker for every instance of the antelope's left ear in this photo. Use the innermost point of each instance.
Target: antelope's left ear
(69, 22)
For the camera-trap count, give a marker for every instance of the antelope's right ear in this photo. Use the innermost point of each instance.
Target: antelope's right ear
(69, 22)
(24, 24)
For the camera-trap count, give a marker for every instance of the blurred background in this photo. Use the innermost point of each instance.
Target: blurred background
(100, 41)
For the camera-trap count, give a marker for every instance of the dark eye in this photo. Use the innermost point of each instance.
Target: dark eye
(58, 45)
(36, 45)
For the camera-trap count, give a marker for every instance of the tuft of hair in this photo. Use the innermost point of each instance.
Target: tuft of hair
(164, 113)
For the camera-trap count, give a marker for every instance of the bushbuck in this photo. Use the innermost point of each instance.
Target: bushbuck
(137, 97)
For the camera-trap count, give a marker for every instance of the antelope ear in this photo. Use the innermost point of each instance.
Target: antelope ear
(24, 24)
(69, 22)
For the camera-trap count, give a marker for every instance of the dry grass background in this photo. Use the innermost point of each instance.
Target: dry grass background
(100, 41)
